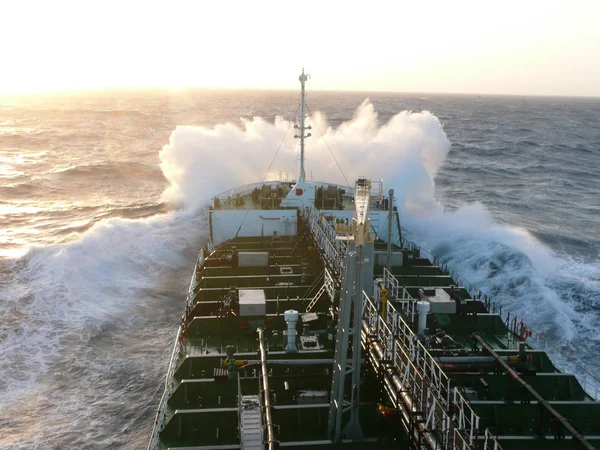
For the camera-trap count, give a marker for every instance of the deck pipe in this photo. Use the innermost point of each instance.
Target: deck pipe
(389, 230)
(394, 385)
(272, 443)
(423, 308)
(408, 403)
(293, 362)
(473, 359)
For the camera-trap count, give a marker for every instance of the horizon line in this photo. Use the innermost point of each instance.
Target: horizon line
(50, 92)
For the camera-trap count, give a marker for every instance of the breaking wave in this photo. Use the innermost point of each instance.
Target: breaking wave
(407, 152)
(55, 293)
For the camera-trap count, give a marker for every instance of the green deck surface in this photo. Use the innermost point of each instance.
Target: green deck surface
(203, 407)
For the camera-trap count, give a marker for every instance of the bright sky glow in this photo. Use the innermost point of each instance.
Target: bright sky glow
(512, 47)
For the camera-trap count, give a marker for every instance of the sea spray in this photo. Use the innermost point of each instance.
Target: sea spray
(61, 292)
(406, 152)
(505, 262)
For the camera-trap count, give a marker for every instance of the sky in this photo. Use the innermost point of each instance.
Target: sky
(525, 47)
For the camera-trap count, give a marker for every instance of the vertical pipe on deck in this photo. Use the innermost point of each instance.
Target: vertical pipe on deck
(271, 442)
(389, 230)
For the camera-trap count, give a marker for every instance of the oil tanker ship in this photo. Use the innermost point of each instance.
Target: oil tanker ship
(311, 322)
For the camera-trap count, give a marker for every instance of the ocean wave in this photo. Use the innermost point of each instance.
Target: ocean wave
(110, 168)
(56, 291)
(23, 142)
(408, 151)
(86, 112)
(23, 190)
(135, 211)
(560, 239)
(551, 292)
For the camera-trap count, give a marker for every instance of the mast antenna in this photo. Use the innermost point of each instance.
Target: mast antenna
(302, 78)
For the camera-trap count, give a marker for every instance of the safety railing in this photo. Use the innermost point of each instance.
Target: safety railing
(400, 294)
(436, 261)
(323, 235)
(313, 293)
(240, 404)
(377, 192)
(329, 284)
(423, 252)
(178, 348)
(490, 442)
(460, 443)
(391, 283)
(421, 376)
(169, 383)
(522, 332)
(589, 382)
(189, 301)
(465, 415)
(416, 383)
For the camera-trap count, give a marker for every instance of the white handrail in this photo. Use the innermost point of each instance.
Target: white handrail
(407, 302)
(324, 236)
(577, 367)
(430, 386)
(162, 406)
(490, 442)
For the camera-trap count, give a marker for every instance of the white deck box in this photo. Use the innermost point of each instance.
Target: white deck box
(253, 302)
(441, 302)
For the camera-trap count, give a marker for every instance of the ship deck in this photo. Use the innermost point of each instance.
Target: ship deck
(457, 363)
(205, 408)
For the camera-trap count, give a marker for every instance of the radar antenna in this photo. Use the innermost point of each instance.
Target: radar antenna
(303, 77)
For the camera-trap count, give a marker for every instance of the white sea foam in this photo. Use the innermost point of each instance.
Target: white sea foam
(504, 261)
(407, 152)
(60, 292)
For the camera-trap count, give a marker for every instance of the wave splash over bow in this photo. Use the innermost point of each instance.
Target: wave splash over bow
(407, 152)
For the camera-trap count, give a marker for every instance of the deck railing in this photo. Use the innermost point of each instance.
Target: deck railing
(490, 442)
(329, 284)
(189, 301)
(421, 376)
(178, 348)
(162, 407)
(400, 294)
(323, 235)
(589, 382)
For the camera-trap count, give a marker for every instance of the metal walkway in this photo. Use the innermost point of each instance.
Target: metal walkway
(434, 414)
(251, 426)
